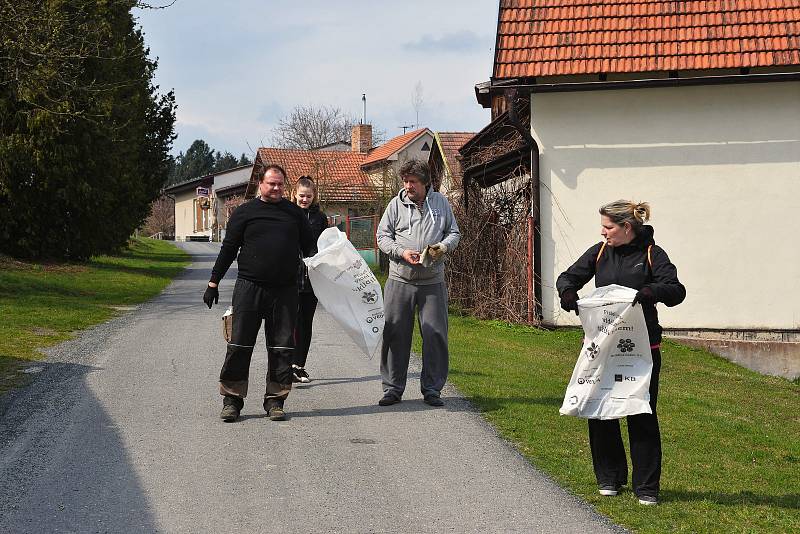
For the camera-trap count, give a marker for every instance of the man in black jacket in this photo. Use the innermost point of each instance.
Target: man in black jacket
(268, 233)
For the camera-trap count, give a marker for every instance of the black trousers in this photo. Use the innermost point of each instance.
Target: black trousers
(252, 306)
(303, 329)
(608, 452)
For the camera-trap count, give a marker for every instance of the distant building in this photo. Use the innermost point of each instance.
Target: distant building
(444, 161)
(383, 163)
(357, 182)
(200, 203)
(344, 188)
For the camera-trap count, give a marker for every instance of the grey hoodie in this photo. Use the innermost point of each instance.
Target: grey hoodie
(403, 226)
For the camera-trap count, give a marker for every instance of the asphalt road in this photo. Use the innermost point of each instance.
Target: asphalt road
(119, 432)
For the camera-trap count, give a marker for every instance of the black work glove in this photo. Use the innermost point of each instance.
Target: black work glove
(569, 301)
(644, 296)
(211, 296)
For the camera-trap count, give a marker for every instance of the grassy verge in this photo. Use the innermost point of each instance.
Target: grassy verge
(379, 275)
(44, 304)
(730, 436)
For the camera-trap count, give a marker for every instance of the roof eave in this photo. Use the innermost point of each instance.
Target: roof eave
(189, 184)
(675, 81)
(405, 145)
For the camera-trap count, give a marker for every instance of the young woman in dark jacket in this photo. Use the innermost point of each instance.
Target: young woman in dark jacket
(628, 257)
(305, 196)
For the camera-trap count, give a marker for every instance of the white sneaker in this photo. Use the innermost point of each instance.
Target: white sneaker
(299, 374)
(609, 491)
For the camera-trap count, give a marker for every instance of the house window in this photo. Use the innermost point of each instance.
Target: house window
(426, 147)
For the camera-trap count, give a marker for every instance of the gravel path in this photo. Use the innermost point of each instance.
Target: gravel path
(120, 433)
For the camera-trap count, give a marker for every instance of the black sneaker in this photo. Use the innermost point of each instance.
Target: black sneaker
(609, 491)
(433, 400)
(388, 400)
(231, 406)
(648, 500)
(299, 374)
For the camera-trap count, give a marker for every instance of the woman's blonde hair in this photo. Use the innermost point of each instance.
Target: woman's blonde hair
(625, 211)
(306, 181)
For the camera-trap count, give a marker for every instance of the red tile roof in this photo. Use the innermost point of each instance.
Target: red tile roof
(337, 173)
(395, 144)
(566, 37)
(450, 142)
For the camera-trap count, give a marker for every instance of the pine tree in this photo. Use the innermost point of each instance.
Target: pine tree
(85, 133)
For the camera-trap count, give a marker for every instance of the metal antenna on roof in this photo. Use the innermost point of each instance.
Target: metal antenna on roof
(364, 100)
(406, 127)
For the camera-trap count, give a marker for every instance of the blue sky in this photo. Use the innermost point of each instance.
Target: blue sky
(237, 66)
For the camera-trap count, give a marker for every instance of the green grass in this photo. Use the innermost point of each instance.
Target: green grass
(379, 275)
(731, 437)
(45, 304)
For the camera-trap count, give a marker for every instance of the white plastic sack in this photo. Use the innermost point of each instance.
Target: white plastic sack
(348, 289)
(612, 375)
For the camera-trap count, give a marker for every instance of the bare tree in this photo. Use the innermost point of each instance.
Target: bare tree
(310, 127)
(231, 203)
(162, 217)
(417, 100)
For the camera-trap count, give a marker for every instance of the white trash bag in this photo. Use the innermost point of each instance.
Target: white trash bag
(348, 289)
(612, 375)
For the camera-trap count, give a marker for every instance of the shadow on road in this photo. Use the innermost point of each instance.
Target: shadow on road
(63, 465)
(317, 382)
(415, 405)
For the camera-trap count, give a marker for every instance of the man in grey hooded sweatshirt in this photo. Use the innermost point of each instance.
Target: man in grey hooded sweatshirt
(416, 231)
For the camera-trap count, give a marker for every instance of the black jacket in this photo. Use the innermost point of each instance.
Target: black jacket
(628, 265)
(269, 239)
(318, 222)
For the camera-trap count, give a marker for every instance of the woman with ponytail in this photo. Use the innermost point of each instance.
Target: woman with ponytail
(305, 196)
(628, 256)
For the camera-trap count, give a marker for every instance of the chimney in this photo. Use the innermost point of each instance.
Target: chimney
(361, 139)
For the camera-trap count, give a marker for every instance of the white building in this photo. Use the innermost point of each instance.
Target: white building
(696, 113)
(199, 210)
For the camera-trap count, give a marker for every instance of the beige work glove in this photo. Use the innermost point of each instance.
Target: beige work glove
(432, 254)
(437, 251)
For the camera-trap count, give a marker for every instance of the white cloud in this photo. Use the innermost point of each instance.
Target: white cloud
(238, 66)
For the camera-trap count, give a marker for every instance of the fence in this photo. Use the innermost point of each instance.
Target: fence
(361, 233)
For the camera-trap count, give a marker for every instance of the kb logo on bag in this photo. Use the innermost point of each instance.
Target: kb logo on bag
(622, 378)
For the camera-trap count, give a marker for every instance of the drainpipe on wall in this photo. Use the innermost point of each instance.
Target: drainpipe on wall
(534, 261)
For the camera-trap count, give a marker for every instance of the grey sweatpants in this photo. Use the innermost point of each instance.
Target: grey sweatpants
(400, 301)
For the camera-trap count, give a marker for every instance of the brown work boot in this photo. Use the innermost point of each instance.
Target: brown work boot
(274, 410)
(231, 406)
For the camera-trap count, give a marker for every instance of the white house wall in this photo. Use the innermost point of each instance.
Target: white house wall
(414, 150)
(720, 166)
(229, 178)
(184, 216)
